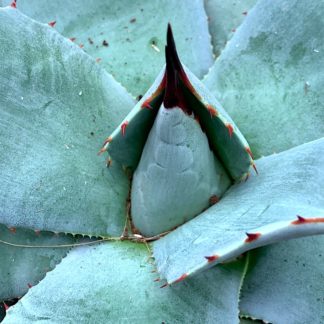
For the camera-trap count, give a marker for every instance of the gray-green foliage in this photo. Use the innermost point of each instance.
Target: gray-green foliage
(57, 105)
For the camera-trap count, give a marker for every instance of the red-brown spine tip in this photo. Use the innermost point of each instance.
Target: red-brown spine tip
(230, 129)
(98, 60)
(252, 237)
(72, 39)
(184, 276)
(109, 162)
(52, 23)
(213, 112)
(211, 258)
(248, 150)
(29, 285)
(13, 4)
(12, 230)
(244, 13)
(157, 279)
(255, 169)
(213, 200)
(247, 176)
(146, 104)
(165, 285)
(174, 73)
(5, 306)
(81, 45)
(301, 220)
(123, 127)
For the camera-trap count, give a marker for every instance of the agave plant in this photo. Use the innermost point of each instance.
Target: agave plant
(169, 224)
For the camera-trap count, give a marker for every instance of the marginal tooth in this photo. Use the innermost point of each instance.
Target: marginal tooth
(211, 258)
(252, 237)
(123, 127)
(230, 129)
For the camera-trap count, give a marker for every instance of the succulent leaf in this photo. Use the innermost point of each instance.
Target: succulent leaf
(290, 275)
(223, 19)
(267, 77)
(56, 104)
(177, 164)
(23, 267)
(97, 277)
(134, 49)
(266, 209)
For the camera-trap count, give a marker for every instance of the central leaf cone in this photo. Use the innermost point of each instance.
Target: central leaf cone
(178, 175)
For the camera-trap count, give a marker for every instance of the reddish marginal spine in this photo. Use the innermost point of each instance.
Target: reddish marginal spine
(212, 258)
(301, 220)
(213, 112)
(14, 4)
(255, 168)
(230, 129)
(248, 150)
(184, 276)
(165, 285)
(52, 23)
(123, 127)
(252, 237)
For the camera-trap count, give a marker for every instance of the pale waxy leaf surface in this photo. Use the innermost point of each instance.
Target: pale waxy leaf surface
(23, 267)
(56, 106)
(270, 76)
(288, 184)
(223, 19)
(284, 283)
(134, 32)
(114, 283)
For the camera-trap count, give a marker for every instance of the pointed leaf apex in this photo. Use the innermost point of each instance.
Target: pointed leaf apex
(13, 4)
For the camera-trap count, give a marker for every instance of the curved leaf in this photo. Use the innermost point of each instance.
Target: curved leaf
(223, 19)
(270, 76)
(56, 104)
(265, 207)
(285, 283)
(114, 282)
(23, 267)
(129, 36)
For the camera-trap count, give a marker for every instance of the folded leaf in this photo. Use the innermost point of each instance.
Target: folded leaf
(261, 211)
(114, 282)
(56, 104)
(284, 283)
(270, 75)
(182, 164)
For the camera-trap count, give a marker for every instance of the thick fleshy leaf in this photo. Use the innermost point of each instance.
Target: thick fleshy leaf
(23, 267)
(114, 283)
(127, 141)
(270, 75)
(223, 19)
(129, 36)
(265, 207)
(56, 104)
(285, 282)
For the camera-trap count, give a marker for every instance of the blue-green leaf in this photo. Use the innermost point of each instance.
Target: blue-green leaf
(23, 266)
(56, 105)
(129, 36)
(284, 283)
(265, 207)
(114, 283)
(270, 76)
